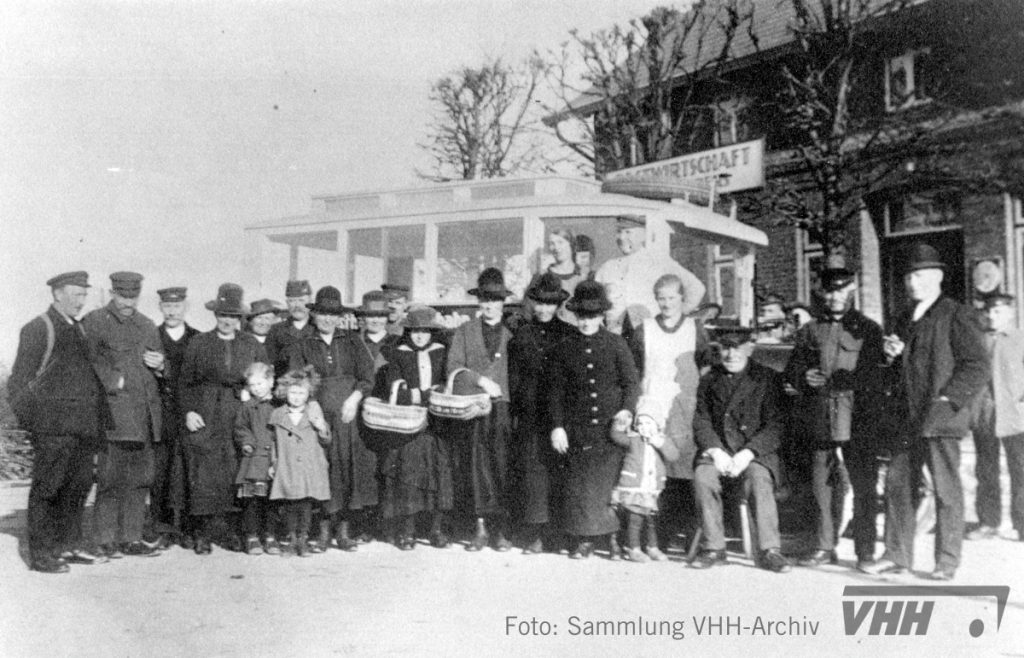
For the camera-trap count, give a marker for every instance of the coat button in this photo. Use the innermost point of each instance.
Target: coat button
(593, 395)
(590, 366)
(594, 421)
(588, 350)
(593, 408)
(591, 381)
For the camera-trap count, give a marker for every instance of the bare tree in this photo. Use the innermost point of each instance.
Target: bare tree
(626, 95)
(484, 125)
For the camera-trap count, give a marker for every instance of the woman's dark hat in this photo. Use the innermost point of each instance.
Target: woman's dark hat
(421, 318)
(924, 257)
(375, 305)
(328, 302)
(297, 288)
(491, 286)
(835, 278)
(229, 301)
(583, 243)
(590, 298)
(262, 306)
(547, 289)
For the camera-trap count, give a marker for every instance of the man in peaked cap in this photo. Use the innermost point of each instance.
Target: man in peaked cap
(167, 515)
(835, 367)
(297, 295)
(629, 278)
(128, 357)
(938, 356)
(57, 398)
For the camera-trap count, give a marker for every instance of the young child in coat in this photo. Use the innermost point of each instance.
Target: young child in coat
(642, 477)
(254, 439)
(299, 465)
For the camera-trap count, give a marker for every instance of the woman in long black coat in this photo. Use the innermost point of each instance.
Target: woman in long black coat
(212, 382)
(540, 470)
(593, 381)
(346, 376)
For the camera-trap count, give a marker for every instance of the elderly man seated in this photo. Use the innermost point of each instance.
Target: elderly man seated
(737, 427)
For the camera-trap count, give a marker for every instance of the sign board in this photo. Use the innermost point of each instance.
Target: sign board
(741, 167)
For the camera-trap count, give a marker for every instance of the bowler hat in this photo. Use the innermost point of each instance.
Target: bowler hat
(229, 300)
(262, 306)
(547, 289)
(328, 302)
(732, 336)
(126, 284)
(176, 294)
(924, 257)
(490, 285)
(297, 288)
(835, 278)
(375, 305)
(583, 243)
(421, 318)
(590, 298)
(80, 279)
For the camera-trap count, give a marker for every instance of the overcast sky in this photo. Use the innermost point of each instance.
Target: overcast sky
(144, 135)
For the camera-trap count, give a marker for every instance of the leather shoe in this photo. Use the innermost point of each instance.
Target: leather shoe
(982, 532)
(346, 543)
(773, 560)
(864, 566)
(111, 551)
(634, 554)
(884, 567)
(655, 554)
(943, 573)
(535, 547)
(818, 558)
(202, 546)
(82, 557)
(439, 540)
(253, 545)
(708, 559)
(270, 546)
(478, 542)
(406, 543)
(582, 551)
(502, 544)
(140, 548)
(48, 564)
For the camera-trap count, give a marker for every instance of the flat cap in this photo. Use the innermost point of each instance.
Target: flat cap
(297, 288)
(172, 294)
(835, 278)
(733, 336)
(126, 284)
(79, 278)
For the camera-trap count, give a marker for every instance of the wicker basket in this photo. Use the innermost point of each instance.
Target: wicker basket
(386, 416)
(445, 404)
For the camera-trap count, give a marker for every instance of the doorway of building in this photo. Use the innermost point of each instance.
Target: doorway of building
(896, 254)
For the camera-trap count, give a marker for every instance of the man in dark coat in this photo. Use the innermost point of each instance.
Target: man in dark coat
(593, 382)
(737, 427)
(128, 357)
(167, 509)
(539, 470)
(57, 398)
(296, 327)
(941, 362)
(836, 368)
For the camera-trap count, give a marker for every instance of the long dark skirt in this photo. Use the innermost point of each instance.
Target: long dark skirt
(541, 477)
(416, 477)
(592, 471)
(480, 462)
(353, 466)
(211, 468)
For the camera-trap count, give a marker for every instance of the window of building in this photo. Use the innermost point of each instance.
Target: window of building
(906, 80)
(730, 124)
(724, 289)
(378, 255)
(913, 213)
(465, 249)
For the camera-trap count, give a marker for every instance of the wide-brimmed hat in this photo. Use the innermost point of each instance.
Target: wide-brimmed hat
(261, 306)
(297, 288)
(229, 300)
(547, 289)
(490, 285)
(835, 278)
(421, 318)
(590, 298)
(328, 302)
(375, 305)
(924, 257)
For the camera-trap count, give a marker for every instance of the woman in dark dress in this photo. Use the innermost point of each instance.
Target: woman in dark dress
(346, 375)
(540, 470)
(593, 382)
(416, 476)
(212, 382)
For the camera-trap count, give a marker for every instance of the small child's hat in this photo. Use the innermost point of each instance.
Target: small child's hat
(648, 406)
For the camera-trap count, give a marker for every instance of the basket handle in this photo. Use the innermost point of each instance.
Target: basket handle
(450, 384)
(393, 398)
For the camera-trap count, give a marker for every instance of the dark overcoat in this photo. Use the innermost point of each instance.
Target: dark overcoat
(281, 337)
(253, 429)
(116, 343)
(944, 356)
(591, 379)
(212, 379)
(344, 366)
(67, 398)
(173, 417)
(741, 411)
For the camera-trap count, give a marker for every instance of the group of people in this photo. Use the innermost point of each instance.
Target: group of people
(250, 436)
